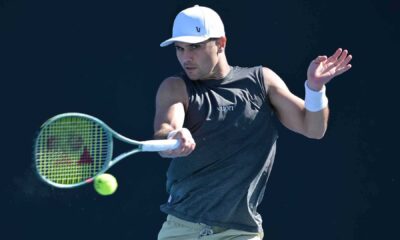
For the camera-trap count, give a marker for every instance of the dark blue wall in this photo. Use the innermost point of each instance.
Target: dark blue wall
(103, 58)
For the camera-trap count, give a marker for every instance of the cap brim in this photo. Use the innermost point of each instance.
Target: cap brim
(185, 39)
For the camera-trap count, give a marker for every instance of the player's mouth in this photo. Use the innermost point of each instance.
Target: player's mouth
(190, 68)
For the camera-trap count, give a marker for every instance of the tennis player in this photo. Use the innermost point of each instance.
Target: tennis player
(225, 118)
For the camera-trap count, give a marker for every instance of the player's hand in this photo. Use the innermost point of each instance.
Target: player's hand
(323, 68)
(186, 144)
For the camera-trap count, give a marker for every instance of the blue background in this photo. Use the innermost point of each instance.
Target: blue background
(103, 58)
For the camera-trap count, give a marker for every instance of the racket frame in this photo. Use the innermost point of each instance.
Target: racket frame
(108, 163)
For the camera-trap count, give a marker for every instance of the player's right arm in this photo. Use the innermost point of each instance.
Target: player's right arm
(171, 104)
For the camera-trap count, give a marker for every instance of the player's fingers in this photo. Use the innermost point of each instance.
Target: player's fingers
(343, 55)
(340, 64)
(179, 151)
(346, 61)
(343, 69)
(341, 58)
(185, 150)
(335, 56)
(192, 147)
(320, 59)
(187, 147)
(166, 154)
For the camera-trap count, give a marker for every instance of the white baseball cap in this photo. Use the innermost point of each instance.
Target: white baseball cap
(196, 24)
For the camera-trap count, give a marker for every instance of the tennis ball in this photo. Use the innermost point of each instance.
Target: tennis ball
(105, 184)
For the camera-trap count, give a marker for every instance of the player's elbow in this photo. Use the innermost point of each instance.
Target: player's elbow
(316, 137)
(316, 134)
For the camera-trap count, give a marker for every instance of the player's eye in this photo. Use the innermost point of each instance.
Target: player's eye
(195, 46)
(178, 48)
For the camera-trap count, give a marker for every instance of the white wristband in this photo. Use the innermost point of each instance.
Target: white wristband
(315, 101)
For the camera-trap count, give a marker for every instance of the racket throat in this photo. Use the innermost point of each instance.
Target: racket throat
(124, 155)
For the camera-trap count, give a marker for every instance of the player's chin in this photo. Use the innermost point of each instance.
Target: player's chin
(192, 75)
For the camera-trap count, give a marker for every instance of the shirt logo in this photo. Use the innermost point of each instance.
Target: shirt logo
(228, 108)
(198, 29)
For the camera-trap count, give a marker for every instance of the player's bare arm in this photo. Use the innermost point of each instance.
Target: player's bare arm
(171, 103)
(291, 109)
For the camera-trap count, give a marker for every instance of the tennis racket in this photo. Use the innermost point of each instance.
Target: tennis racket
(71, 149)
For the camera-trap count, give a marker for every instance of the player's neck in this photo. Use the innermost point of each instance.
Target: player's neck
(221, 70)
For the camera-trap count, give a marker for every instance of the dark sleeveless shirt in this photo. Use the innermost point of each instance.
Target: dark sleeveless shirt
(222, 181)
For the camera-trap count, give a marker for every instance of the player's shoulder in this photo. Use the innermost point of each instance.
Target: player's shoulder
(267, 70)
(263, 71)
(258, 70)
(247, 68)
(270, 76)
(175, 80)
(271, 80)
(173, 85)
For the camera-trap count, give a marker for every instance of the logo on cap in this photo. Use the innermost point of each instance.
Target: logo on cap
(197, 29)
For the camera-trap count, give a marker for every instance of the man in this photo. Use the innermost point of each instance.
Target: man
(225, 119)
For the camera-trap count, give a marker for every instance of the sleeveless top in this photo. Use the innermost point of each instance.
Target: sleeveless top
(222, 181)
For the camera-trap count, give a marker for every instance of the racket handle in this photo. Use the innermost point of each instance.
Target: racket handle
(159, 145)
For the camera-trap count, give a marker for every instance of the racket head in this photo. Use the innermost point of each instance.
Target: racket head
(71, 149)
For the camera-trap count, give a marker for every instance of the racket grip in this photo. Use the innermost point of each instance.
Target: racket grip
(159, 145)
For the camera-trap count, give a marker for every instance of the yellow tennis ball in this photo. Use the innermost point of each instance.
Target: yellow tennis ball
(105, 184)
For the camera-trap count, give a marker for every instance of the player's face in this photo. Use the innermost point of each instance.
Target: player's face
(199, 60)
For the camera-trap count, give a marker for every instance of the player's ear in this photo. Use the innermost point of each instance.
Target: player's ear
(221, 43)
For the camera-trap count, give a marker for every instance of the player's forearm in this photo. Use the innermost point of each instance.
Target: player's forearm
(316, 110)
(316, 123)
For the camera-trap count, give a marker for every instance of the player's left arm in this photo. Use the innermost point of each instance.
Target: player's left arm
(291, 110)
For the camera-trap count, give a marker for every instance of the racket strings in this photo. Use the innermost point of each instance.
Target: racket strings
(71, 150)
